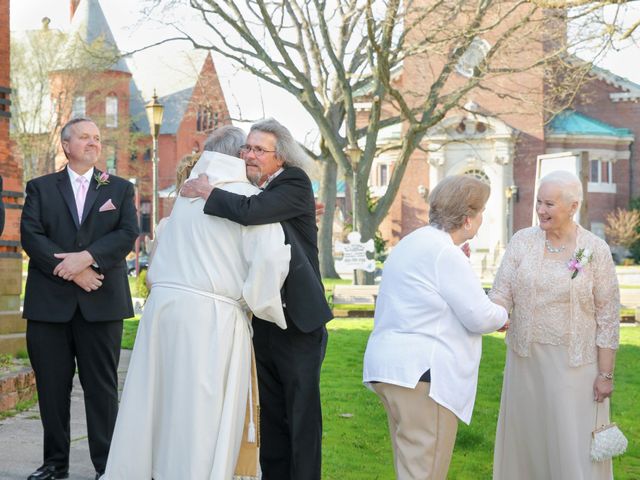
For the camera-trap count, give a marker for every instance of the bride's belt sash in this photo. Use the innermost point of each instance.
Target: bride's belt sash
(204, 293)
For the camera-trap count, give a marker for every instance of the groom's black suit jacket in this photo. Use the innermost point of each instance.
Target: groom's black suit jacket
(50, 225)
(287, 199)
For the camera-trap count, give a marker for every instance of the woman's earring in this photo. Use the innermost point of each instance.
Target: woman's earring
(467, 226)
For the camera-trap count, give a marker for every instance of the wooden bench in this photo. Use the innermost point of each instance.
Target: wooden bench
(630, 297)
(355, 294)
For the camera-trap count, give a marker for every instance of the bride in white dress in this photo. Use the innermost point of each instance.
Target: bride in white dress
(184, 400)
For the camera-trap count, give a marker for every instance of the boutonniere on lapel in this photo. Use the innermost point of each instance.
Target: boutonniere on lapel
(580, 259)
(102, 179)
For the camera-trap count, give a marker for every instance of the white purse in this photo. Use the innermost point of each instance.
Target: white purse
(607, 441)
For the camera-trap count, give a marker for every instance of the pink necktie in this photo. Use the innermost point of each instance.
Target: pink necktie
(81, 195)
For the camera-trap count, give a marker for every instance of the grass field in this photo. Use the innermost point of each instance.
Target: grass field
(356, 442)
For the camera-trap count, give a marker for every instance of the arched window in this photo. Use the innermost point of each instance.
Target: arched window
(479, 174)
(111, 111)
(206, 119)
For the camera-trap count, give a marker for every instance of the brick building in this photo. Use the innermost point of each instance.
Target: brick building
(499, 140)
(12, 326)
(108, 93)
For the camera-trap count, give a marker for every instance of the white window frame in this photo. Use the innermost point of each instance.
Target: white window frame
(596, 185)
(79, 107)
(111, 111)
(111, 154)
(386, 168)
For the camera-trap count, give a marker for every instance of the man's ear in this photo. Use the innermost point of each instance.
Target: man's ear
(65, 148)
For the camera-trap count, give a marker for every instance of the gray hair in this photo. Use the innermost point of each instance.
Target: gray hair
(569, 184)
(65, 133)
(227, 139)
(287, 149)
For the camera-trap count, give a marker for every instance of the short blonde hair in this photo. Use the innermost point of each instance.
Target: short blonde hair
(184, 169)
(454, 199)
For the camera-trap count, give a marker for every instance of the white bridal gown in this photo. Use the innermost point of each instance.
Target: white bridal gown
(185, 396)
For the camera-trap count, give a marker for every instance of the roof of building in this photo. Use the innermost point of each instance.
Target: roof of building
(615, 80)
(90, 39)
(340, 187)
(139, 121)
(570, 122)
(175, 106)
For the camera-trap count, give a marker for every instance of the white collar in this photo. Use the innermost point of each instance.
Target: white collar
(271, 177)
(73, 175)
(220, 168)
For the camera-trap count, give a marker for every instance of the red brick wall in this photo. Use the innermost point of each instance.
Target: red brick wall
(96, 90)
(594, 101)
(10, 169)
(4, 42)
(12, 327)
(521, 109)
(208, 93)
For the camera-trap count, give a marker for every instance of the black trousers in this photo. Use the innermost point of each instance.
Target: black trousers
(288, 364)
(54, 349)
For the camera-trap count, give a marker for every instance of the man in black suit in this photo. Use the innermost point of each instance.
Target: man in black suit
(77, 227)
(288, 360)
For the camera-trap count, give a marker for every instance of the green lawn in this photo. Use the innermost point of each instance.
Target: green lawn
(356, 441)
(358, 447)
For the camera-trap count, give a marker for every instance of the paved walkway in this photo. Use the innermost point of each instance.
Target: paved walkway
(21, 438)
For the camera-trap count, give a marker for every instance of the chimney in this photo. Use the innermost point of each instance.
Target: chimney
(73, 8)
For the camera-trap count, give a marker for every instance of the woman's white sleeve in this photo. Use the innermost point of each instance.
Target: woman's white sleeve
(461, 289)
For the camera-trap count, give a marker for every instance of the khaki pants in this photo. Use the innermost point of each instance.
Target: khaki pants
(422, 432)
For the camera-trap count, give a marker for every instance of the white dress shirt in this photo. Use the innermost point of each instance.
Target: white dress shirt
(73, 176)
(430, 314)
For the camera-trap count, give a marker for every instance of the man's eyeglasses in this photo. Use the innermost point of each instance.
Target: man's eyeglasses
(258, 151)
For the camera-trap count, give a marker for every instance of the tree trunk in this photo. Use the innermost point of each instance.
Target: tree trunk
(327, 195)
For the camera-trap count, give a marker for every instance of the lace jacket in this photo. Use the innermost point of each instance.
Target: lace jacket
(594, 297)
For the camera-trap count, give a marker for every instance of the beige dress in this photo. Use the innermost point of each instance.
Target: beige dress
(547, 411)
(544, 430)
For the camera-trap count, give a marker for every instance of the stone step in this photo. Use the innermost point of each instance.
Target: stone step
(13, 343)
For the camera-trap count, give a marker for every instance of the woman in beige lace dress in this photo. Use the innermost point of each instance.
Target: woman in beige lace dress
(561, 342)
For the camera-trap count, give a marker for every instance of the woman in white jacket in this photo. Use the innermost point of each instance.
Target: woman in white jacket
(423, 355)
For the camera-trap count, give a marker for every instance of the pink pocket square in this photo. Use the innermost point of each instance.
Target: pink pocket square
(106, 206)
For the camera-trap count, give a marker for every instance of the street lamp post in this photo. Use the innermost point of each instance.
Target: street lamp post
(154, 113)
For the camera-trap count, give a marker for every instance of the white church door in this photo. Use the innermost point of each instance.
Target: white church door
(482, 147)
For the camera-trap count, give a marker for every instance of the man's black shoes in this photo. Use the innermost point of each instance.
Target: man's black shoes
(48, 472)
